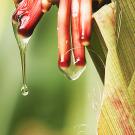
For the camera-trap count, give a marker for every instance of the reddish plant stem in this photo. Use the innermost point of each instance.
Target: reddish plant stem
(64, 33)
(78, 49)
(85, 21)
(28, 14)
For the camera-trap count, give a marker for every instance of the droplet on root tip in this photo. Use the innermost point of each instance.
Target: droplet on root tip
(24, 90)
(73, 72)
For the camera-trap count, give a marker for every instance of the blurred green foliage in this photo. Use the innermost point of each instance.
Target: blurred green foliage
(55, 105)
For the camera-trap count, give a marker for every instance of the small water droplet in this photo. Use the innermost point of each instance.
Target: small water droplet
(24, 90)
(95, 106)
(96, 98)
(57, 28)
(82, 36)
(82, 129)
(67, 42)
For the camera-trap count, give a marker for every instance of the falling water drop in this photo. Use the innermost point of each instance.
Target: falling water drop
(24, 90)
(22, 44)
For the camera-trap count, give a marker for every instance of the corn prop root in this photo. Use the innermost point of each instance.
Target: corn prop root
(85, 21)
(28, 14)
(64, 33)
(79, 51)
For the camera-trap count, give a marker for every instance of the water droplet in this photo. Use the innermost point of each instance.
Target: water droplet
(73, 72)
(82, 35)
(82, 129)
(67, 42)
(24, 90)
(95, 106)
(22, 44)
(57, 28)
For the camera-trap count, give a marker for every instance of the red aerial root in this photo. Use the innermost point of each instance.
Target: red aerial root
(85, 21)
(28, 14)
(78, 49)
(64, 33)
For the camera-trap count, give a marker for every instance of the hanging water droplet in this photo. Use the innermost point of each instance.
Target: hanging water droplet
(73, 72)
(57, 28)
(22, 44)
(24, 90)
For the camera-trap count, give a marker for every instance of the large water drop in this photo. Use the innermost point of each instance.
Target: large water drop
(73, 72)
